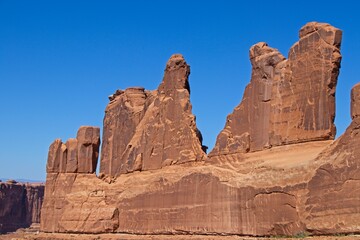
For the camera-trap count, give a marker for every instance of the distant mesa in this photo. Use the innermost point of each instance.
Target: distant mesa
(11, 181)
(20, 205)
(21, 180)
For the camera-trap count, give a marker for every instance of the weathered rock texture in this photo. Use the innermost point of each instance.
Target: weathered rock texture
(252, 189)
(288, 100)
(334, 199)
(20, 205)
(355, 101)
(146, 130)
(78, 155)
(65, 161)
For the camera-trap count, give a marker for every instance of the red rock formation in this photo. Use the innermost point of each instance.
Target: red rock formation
(78, 155)
(355, 101)
(146, 130)
(333, 190)
(88, 148)
(262, 185)
(20, 205)
(288, 100)
(53, 163)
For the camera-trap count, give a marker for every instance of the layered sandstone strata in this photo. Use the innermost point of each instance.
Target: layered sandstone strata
(254, 183)
(145, 130)
(333, 190)
(20, 205)
(65, 161)
(287, 100)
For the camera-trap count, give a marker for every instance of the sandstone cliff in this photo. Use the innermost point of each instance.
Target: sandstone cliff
(146, 130)
(77, 155)
(333, 190)
(287, 100)
(20, 205)
(275, 170)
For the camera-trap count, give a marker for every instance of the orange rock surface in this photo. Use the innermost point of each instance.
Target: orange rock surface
(275, 170)
(146, 130)
(287, 100)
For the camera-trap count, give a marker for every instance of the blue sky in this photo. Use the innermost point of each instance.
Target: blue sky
(59, 60)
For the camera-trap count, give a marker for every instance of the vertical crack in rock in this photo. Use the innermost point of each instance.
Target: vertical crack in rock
(287, 100)
(287, 190)
(333, 190)
(77, 155)
(146, 130)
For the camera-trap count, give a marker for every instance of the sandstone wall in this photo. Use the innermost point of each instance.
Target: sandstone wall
(287, 100)
(146, 130)
(65, 161)
(333, 199)
(20, 205)
(275, 169)
(77, 155)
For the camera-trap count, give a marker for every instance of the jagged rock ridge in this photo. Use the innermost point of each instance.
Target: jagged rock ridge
(255, 182)
(146, 130)
(287, 100)
(77, 155)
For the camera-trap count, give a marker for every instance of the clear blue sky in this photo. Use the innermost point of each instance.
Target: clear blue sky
(59, 60)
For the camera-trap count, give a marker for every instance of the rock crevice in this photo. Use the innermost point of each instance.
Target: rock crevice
(146, 130)
(287, 100)
(275, 169)
(77, 155)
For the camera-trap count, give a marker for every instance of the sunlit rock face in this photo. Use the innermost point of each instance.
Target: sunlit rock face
(287, 100)
(77, 155)
(275, 169)
(146, 130)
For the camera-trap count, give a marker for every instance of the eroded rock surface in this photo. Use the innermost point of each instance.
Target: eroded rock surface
(287, 100)
(146, 130)
(65, 161)
(355, 101)
(333, 190)
(255, 183)
(20, 205)
(77, 155)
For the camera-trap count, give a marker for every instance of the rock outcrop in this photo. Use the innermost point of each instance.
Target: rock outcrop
(78, 155)
(146, 130)
(333, 190)
(287, 100)
(355, 101)
(65, 161)
(20, 205)
(275, 170)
